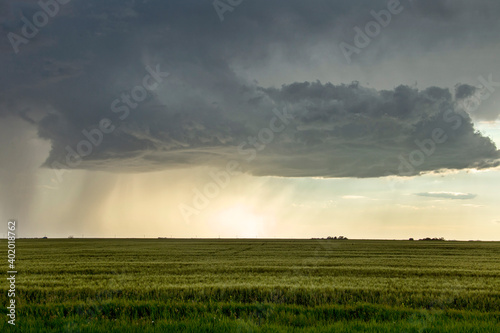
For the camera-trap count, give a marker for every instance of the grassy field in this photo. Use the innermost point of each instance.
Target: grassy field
(172, 285)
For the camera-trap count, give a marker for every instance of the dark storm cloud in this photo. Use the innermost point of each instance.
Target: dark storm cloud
(463, 91)
(66, 79)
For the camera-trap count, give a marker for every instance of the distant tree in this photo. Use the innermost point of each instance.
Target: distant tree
(70, 236)
(411, 239)
(336, 238)
(432, 239)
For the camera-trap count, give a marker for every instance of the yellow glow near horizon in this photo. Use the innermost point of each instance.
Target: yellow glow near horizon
(238, 220)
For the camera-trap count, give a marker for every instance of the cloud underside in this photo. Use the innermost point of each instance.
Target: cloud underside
(205, 114)
(300, 130)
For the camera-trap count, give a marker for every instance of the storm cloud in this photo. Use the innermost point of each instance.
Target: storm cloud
(83, 64)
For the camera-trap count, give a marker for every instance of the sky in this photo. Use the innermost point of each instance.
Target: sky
(291, 119)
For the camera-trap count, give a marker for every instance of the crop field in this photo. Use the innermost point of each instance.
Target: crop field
(237, 285)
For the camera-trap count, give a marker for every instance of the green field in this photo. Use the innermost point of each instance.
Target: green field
(193, 285)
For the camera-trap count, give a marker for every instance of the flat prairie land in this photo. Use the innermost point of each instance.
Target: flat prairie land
(258, 285)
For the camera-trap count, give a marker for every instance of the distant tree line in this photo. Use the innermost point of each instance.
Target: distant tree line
(430, 239)
(334, 238)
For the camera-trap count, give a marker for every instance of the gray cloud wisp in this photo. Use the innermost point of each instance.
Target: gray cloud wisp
(447, 195)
